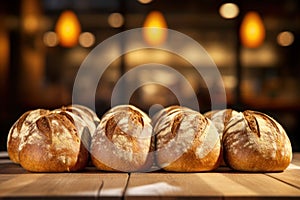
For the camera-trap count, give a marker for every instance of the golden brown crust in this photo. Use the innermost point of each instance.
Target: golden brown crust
(83, 112)
(53, 145)
(220, 118)
(189, 162)
(253, 141)
(163, 112)
(88, 116)
(186, 141)
(123, 140)
(90, 113)
(85, 118)
(13, 139)
(19, 130)
(45, 141)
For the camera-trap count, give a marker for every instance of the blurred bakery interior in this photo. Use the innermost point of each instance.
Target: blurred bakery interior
(260, 71)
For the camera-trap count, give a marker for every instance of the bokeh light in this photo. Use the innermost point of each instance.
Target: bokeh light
(145, 1)
(229, 10)
(155, 25)
(86, 39)
(50, 39)
(68, 29)
(285, 38)
(115, 20)
(252, 30)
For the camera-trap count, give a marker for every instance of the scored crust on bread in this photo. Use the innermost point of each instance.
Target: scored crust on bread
(87, 111)
(166, 111)
(253, 141)
(54, 144)
(87, 115)
(52, 141)
(186, 141)
(19, 131)
(123, 140)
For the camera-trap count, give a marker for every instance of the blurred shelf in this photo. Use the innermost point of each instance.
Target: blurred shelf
(267, 103)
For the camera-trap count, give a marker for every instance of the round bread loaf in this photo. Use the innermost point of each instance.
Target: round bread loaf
(54, 144)
(186, 141)
(123, 140)
(19, 131)
(253, 142)
(49, 141)
(220, 118)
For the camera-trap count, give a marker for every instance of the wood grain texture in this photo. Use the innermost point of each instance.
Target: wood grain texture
(224, 183)
(114, 185)
(262, 185)
(51, 185)
(212, 185)
(15, 182)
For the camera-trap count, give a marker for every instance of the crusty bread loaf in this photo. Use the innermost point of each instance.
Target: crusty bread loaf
(123, 140)
(19, 131)
(220, 118)
(186, 141)
(51, 141)
(54, 144)
(253, 141)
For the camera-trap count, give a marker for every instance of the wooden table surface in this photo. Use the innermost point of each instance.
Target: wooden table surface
(223, 183)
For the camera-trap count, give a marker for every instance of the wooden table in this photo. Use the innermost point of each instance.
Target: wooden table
(223, 183)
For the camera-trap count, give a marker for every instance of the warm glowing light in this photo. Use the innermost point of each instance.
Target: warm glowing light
(86, 39)
(145, 1)
(252, 31)
(31, 23)
(68, 29)
(285, 38)
(50, 39)
(116, 20)
(229, 10)
(265, 56)
(155, 32)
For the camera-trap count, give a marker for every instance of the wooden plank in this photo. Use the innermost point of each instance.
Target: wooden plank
(3, 154)
(5, 177)
(262, 185)
(66, 185)
(15, 182)
(114, 185)
(206, 185)
(169, 185)
(290, 176)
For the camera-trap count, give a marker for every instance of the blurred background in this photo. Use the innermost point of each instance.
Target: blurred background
(255, 45)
